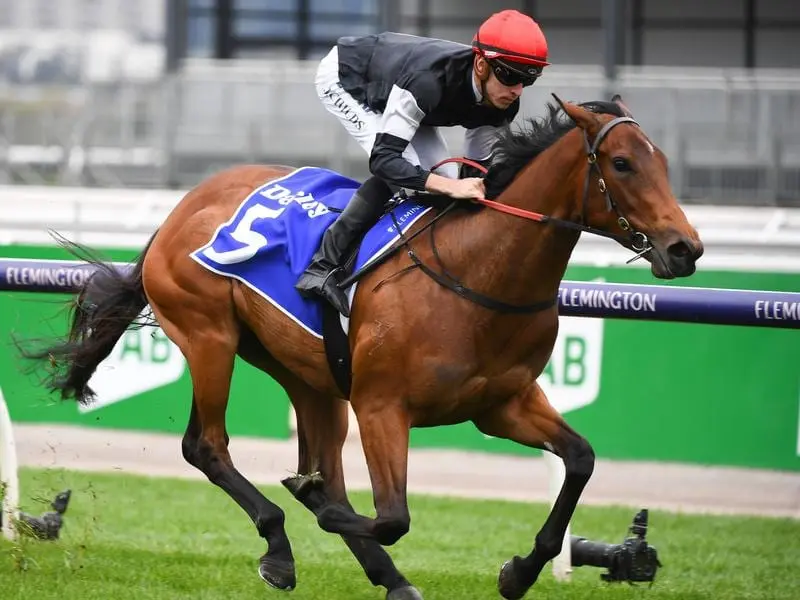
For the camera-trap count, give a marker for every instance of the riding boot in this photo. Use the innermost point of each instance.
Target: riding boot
(364, 209)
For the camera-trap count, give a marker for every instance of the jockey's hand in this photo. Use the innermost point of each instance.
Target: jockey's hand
(470, 188)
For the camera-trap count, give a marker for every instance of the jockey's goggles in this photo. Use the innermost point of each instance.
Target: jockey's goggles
(513, 74)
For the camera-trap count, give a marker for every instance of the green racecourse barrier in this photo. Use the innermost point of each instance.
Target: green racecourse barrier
(638, 389)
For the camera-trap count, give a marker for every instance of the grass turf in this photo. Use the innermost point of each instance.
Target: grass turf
(146, 538)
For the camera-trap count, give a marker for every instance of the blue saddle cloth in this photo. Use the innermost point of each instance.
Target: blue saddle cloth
(270, 239)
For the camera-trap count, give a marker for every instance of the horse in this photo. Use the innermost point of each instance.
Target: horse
(447, 330)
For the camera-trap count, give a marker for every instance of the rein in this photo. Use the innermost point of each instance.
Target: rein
(636, 240)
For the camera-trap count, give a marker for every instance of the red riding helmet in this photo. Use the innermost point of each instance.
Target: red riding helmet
(511, 36)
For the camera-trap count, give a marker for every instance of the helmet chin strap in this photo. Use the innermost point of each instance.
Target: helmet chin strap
(484, 95)
(483, 80)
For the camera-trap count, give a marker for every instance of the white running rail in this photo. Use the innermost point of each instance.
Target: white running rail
(8, 473)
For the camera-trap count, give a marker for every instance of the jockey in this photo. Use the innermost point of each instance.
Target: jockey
(391, 91)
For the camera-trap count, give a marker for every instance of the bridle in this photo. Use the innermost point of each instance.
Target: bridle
(636, 240)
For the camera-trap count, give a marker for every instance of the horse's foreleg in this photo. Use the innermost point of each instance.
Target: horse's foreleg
(322, 429)
(529, 419)
(210, 352)
(383, 425)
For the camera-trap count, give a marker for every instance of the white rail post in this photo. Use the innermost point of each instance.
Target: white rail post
(8, 473)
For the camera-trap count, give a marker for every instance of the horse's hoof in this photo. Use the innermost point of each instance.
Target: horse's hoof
(509, 583)
(301, 485)
(408, 592)
(277, 573)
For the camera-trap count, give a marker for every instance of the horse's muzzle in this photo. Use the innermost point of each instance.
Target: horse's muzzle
(678, 258)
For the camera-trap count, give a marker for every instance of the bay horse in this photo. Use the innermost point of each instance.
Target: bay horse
(422, 355)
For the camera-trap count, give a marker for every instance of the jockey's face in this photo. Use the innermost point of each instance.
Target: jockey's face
(500, 95)
(500, 85)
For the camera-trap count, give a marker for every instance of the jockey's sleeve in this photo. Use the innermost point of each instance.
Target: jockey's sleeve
(406, 106)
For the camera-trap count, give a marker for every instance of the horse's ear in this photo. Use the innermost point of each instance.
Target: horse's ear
(617, 99)
(583, 118)
(560, 102)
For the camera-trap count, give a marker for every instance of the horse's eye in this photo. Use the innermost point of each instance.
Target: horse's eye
(622, 165)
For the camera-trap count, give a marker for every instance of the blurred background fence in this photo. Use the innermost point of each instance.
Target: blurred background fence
(732, 137)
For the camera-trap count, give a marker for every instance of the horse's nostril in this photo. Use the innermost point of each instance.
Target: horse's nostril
(679, 250)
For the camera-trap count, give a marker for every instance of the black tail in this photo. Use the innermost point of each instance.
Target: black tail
(102, 310)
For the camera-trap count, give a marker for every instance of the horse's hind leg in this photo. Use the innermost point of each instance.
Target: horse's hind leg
(209, 347)
(322, 428)
(529, 419)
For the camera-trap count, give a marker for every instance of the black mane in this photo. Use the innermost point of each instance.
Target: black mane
(515, 149)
